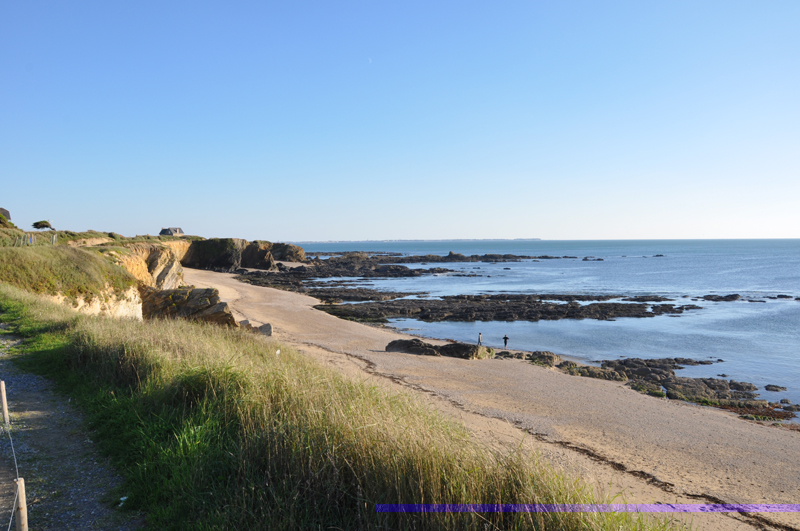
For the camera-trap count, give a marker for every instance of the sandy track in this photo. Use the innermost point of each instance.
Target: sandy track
(654, 449)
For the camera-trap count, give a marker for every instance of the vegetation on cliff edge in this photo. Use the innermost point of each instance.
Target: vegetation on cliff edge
(70, 271)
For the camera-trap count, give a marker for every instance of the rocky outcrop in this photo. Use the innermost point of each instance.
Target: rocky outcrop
(187, 303)
(230, 254)
(774, 388)
(153, 265)
(540, 357)
(657, 377)
(453, 350)
(504, 307)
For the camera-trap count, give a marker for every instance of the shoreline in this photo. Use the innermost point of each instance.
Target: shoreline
(653, 449)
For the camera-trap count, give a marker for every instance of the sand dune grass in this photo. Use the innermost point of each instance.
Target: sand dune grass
(220, 429)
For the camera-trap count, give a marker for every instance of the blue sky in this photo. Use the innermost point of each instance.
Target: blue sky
(403, 120)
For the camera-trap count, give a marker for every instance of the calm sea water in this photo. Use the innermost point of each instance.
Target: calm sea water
(760, 342)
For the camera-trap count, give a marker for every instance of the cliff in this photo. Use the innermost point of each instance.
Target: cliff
(230, 254)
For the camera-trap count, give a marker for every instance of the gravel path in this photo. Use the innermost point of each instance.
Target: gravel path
(68, 483)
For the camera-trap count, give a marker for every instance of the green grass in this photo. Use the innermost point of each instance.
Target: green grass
(73, 272)
(214, 429)
(9, 235)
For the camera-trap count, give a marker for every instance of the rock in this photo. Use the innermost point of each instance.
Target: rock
(412, 346)
(288, 253)
(795, 407)
(265, 329)
(257, 255)
(785, 401)
(153, 265)
(187, 303)
(510, 355)
(217, 254)
(648, 388)
(784, 296)
(466, 351)
(567, 365)
(598, 372)
(230, 254)
(722, 298)
(505, 307)
(743, 386)
(545, 358)
(774, 388)
(455, 350)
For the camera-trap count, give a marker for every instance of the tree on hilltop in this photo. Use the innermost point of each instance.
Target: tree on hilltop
(40, 225)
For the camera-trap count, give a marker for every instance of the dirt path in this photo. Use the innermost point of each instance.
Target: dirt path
(67, 481)
(653, 450)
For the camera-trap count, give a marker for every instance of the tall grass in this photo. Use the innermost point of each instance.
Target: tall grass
(216, 429)
(61, 269)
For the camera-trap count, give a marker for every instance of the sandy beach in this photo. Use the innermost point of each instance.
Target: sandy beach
(648, 449)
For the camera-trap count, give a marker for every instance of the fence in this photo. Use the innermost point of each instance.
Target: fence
(30, 238)
(19, 511)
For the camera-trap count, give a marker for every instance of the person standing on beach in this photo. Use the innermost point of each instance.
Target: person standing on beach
(505, 341)
(480, 338)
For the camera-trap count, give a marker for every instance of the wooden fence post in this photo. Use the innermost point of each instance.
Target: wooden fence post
(5, 404)
(22, 507)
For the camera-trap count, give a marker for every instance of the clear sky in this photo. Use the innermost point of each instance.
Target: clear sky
(403, 120)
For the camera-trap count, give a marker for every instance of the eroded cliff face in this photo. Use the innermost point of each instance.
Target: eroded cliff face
(126, 305)
(230, 254)
(153, 265)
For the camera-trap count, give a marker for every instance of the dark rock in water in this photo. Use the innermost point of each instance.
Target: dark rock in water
(754, 300)
(658, 256)
(592, 259)
(544, 357)
(454, 350)
(187, 303)
(785, 401)
(795, 407)
(722, 298)
(505, 307)
(722, 375)
(774, 388)
(743, 386)
(647, 298)
(784, 296)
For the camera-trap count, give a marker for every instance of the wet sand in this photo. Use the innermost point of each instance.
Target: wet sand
(651, 450)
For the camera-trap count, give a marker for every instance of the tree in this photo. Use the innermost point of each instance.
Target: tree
(39, 225)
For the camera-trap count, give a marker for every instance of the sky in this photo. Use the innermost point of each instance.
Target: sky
(314, 121)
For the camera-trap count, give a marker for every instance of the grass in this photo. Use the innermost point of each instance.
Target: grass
(73, 272)
(216, 428)
(10, 235)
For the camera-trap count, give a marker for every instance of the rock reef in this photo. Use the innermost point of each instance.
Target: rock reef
(468, 308)
(453, 350)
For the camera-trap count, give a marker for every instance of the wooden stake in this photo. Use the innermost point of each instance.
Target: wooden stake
(5, 404)
(22, 507)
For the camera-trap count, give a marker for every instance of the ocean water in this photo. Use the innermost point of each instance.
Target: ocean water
(758, 341)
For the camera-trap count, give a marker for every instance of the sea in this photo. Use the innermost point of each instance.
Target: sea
(759, 342)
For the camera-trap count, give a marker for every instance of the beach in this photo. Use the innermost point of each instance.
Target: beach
(648, 449)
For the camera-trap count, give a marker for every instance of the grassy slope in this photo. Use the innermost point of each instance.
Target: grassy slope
(73, 272)
(215, 429)
(8, 236)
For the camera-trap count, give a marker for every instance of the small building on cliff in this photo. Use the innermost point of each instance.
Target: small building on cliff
(6, 214)
(171, 231)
